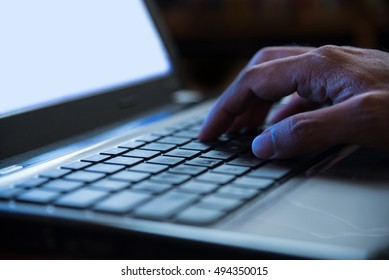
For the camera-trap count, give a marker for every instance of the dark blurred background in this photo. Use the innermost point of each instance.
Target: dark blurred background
(215, 38)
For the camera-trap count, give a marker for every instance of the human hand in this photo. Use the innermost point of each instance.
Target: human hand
(353, 81)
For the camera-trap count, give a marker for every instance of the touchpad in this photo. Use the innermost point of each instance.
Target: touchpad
(342, 206)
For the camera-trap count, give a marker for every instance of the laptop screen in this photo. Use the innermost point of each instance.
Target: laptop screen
(56, 51)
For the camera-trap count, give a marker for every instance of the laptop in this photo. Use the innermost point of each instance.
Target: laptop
(94, 140)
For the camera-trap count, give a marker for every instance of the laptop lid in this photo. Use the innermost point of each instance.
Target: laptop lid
(71, 66)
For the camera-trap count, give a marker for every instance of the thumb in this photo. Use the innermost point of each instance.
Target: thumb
(313, 131)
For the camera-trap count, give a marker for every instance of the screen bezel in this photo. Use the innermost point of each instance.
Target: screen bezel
(34, 129)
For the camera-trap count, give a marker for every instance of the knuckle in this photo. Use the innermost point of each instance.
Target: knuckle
(325, 56)
(335, 57)
(300, 127)
(263, 55)
(246, 75)
(327, 51)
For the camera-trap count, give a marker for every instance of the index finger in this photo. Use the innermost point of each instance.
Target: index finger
(267, 81)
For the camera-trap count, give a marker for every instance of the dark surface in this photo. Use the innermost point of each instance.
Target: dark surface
(44, 239)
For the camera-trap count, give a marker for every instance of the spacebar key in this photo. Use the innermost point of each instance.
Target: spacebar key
(165, 206)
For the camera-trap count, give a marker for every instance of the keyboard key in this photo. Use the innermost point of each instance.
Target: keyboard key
(271, 170)
(255, 183)
(148, 138)
(174, 140)
(179, 126)
(187, 134)
(206, 162)
(96, 158)
(165, 205)
(220, 203)
(149, 168)
(31, 183)
(37, 196)
(199, 216)
(248, 160)
(188, 170)
(196, 128)
(54, 173)
(198, 187)
(234, 147)
(225, 137)
(126, 161)
(223, 155)
(131, 144)
(164, 132)
(251, 156)
(159, 147)
(82, 198)
(169, 178)
(195, 120)
(62, 185)
(231, 169)
(198, 146)
(109, 185)
(130, 176)
(188, 154)
(105, 168)
(76, 165)
(83, 176)
(114, 151)
(9, 193)
(142, 154)
(215, 178)
(152, 187)
(247, 138)
(238, 193)
(170, 161)
(122, 202)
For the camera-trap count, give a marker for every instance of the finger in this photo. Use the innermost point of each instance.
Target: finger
(272, 53)
(316, 130)
(252, 118)
(238, 97)
(295, 105)
(256, 82)
(222, 115)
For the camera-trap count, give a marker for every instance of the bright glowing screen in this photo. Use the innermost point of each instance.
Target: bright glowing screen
(54, 51)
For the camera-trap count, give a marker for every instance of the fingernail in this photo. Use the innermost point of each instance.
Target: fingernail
(263, 145)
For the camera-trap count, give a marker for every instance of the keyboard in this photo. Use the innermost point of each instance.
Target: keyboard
(167, 175)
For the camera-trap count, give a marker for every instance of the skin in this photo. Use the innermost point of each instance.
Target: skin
(339, 95)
